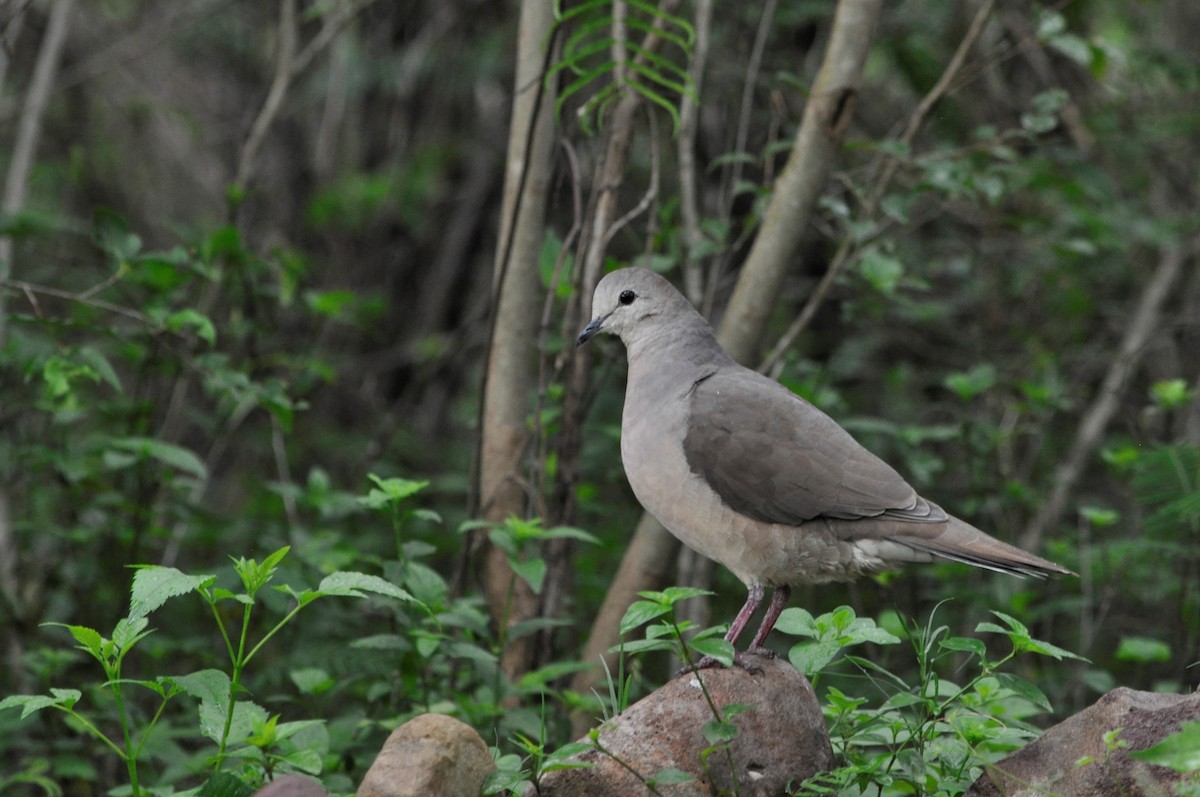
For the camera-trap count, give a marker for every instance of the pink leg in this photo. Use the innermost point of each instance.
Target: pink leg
(753, 599)
(779, 600)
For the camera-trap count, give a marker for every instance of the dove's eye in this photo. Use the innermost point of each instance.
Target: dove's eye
(627, 297)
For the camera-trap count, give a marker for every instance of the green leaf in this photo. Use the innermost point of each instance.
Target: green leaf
(191, 319)
(1025, 689)
(225, 784)
(128, 631)
(154, 585)
(60, 698)
(312, 680)
(1143, 649)
(211, 688)
(89, 639)
(960, 644)
(812, 657)
(719, 732)
(168, 454)
(882, 271)
(390, 491)
(1180, 751)
(532, 571)
(673, 595)
(797, 622)
(350, 584)
(969, 384)
(101, 366)
(1100, 517)
(568, 532)
(1170, 393)
(641, 612)
(715, 647)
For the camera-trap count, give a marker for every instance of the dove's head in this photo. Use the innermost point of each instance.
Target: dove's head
(635, 304)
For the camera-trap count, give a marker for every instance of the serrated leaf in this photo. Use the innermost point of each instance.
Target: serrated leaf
(89, 639)
(33, 703)
(225, 784)
(347, 583)
(154, 585)
(128, 631)
(211, 688)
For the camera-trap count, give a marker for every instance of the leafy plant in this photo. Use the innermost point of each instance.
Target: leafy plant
(239, 728)
(923, 735)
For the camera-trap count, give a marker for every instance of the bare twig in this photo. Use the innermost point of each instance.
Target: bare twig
(689, 199)
(742, 134)
(30, 290)
(648, 197)
(283, 78)
(1096, 419)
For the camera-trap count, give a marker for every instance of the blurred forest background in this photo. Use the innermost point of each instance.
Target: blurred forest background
(254, 254)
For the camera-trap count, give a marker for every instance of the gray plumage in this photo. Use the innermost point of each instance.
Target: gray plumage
(753, 476)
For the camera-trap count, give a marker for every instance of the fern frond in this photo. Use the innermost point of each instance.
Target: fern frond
(605, 63)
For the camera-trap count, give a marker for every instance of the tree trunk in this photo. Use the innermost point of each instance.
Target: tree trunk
(512, 354)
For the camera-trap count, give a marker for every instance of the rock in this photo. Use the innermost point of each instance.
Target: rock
(292, 786)
(429, 756)
(781, 738)
(1073, 758)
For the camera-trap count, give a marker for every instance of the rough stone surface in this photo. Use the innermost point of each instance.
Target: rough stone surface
(781, 740)
(429, 756)
(292, 786)
(1050, 764)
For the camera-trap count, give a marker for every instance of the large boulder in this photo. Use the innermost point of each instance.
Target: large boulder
(431, 755)
(781, 739)
(1074, 757)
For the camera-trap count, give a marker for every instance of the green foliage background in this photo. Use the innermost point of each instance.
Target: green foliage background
(191, 374)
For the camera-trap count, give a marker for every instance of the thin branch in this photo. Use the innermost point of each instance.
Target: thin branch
(29, 288)
(1091, 428)
(279, 86)
(753, 66)
(331, 26)
(689, 199)
(651, 191)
